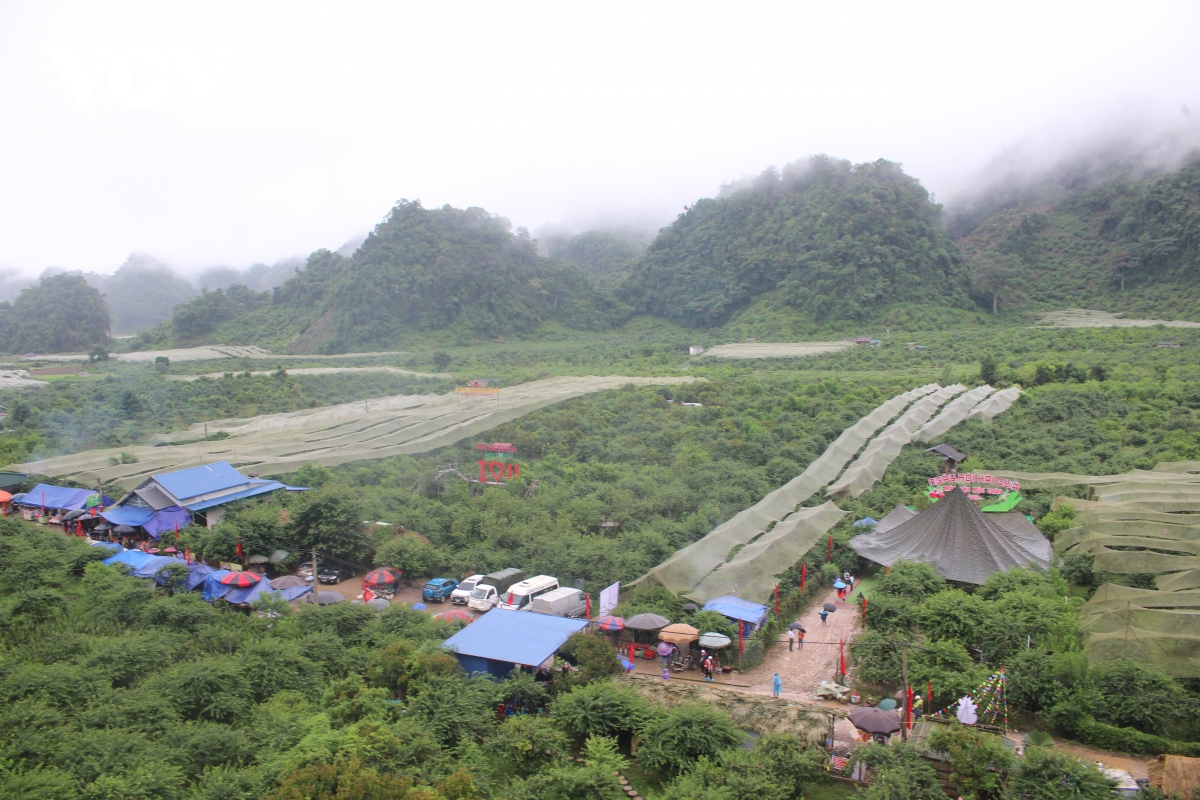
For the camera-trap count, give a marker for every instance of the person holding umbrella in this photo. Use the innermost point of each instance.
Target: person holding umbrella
(824, 617)
(791, 639)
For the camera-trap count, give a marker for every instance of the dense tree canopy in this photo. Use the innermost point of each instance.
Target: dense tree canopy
(60, 313)
(839, 241)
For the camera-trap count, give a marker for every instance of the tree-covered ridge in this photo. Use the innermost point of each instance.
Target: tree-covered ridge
(58, 313)
(838, 240)
(419, 270)
(1126, 245)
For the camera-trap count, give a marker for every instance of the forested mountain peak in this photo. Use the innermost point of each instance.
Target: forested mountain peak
(837, 240)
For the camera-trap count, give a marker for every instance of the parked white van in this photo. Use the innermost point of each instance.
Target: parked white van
(520, 595)
(564, 602)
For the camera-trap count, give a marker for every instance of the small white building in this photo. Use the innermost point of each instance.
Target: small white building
(695, 350)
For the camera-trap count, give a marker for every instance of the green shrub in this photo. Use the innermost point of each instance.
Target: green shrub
(673, 742)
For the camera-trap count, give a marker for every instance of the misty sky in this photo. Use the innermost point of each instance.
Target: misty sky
(228, 133)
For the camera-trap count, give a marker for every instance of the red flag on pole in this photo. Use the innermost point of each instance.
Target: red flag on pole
(632, 655)
(829, 556)
(908, 704)
(741, 633)
(587, 606)
(929, 698)
(803, 575)
(187, 554)
(78, 528)
(777, 599)
(368, 595)
(241, 554)
(92, 512)
(864, 620)
(176, 533)
(841, 657)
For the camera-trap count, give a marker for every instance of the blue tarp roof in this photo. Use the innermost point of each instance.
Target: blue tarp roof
(213, 588)
(165, 519)
(295, 592)
(150, 568)
(514, 637)
(51, 496)
(737, 608)
(113, 546)
(128, 515)
(248, 594)
(196, 575)
(866, 522)
(187, 483)
(132, 558)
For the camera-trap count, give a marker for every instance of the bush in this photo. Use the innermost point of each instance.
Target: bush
(673, 742)
(910, 580)
(978, 760)
(600, 709)
(1049, 775)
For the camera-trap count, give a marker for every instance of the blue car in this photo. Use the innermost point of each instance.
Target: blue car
(439, 589)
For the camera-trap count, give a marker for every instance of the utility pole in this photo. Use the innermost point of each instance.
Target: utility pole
(314, 574)
(904, 672)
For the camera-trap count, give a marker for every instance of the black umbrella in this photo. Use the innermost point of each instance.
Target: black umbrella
(690, 607)
(875, 721)
(796, 626)
(830, 607)
(104, 526)
(73, 515)
(123, 529)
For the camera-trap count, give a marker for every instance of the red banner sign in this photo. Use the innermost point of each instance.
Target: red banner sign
(986, 482)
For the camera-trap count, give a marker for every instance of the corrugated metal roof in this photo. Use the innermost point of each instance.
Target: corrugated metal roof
(188, 483)
(257, 488)
(155, 497)
(516, 637)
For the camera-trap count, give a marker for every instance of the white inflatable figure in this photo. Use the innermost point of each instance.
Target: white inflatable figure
(966, 711)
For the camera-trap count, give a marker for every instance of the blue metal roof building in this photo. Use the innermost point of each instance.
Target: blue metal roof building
(199, 489)
(735, 608)
(502, 639)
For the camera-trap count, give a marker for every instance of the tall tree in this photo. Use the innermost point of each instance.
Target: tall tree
(998, 275)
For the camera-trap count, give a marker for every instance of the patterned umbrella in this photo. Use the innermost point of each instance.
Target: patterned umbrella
(384, 576)
(241, 580)
(456, 616)
(610, 623)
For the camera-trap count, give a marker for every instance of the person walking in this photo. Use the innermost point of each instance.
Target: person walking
(668, 656)
(777, 684)
(791, 640)
(824, 617)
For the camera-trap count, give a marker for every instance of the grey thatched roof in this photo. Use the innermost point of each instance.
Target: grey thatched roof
(960, 543)
(898, 515)
(946, 451)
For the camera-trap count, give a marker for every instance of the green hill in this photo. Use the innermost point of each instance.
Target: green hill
(1125, 246)
(420, 270)
(838, 241)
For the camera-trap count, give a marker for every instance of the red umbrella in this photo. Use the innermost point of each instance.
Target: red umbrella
(241, 580)
(456, 616)
(170, 550)
(610, 623)
(384, 576)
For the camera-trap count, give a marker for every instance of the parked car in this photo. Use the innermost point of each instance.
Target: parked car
(462, 594)
(439, 589)
(334, 574)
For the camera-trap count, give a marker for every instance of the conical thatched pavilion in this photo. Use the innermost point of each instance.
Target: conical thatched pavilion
(961, 543)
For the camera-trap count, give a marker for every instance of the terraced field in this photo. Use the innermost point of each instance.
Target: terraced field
(1083, 318)
(775, 349)
(274, 444)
